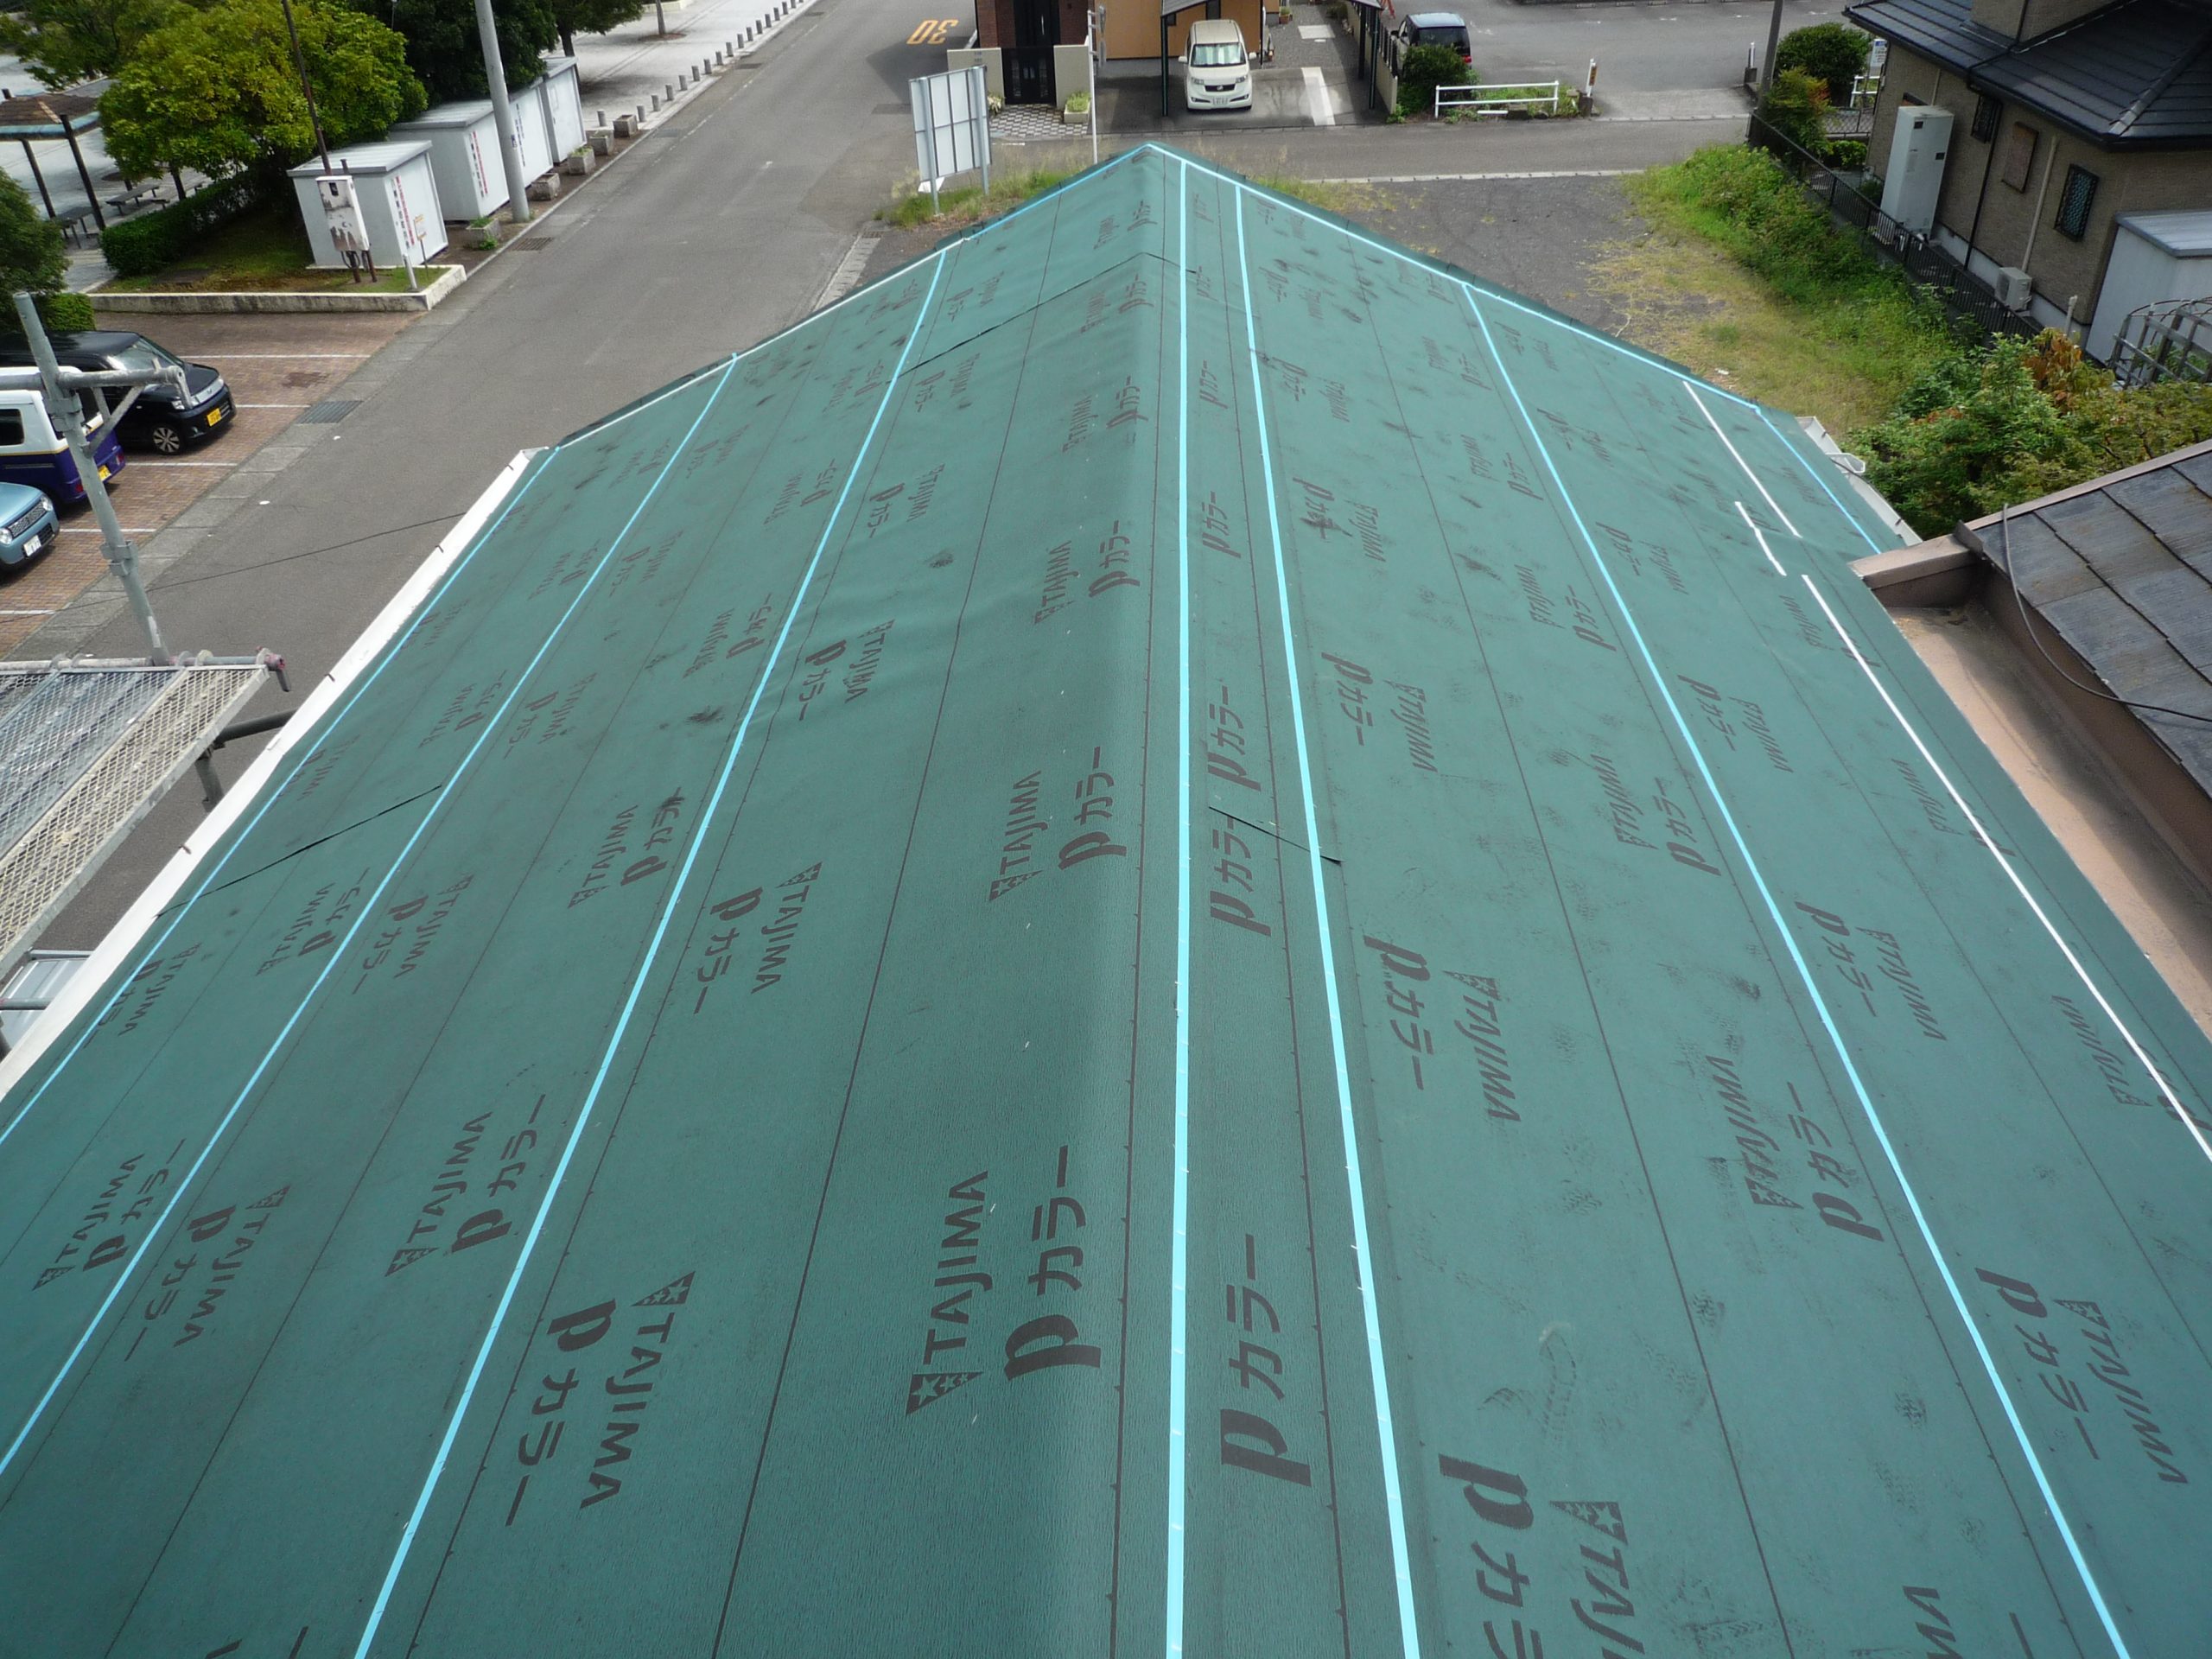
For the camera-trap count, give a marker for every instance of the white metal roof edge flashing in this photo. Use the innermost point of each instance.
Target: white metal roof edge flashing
(125, 936)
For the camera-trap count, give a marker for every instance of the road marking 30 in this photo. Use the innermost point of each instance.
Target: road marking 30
(932, 31)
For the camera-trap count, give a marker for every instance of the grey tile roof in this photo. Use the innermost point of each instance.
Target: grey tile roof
(2134, 75)
(2122, 571)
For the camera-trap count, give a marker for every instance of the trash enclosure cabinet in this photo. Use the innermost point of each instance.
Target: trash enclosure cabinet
(399, 198)
(464, 143)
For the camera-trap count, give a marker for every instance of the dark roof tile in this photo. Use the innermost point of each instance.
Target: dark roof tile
(2133, 75)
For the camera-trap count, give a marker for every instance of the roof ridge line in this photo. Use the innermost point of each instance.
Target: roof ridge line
(2186, 60)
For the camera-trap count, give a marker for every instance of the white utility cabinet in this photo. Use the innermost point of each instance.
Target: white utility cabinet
(398, 199)
(1914, 183)
(464, 142)
(2155, 257)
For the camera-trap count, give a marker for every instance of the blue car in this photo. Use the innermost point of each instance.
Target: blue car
(27, 525)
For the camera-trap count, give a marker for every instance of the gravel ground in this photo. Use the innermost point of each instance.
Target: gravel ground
(1538, 237)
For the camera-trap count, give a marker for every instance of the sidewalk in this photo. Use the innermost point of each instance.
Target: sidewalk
(630, 66)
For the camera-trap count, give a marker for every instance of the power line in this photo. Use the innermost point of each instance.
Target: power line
(313, 552)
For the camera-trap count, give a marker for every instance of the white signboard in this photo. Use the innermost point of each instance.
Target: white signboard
(341, 211)
(952, 125)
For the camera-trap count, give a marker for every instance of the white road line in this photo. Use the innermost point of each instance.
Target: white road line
(29, 613)
(1317, 98)
(275, 405)
(281, 357)
(94, 529)
(1772, 503)
(1761, 534)
(2012, 875)
(1813, 991)
(182, 463)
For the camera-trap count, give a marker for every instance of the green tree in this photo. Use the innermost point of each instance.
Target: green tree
(1830, 52)
(574, 18)
(1425, 69)
(217, 90)
(1797, 106)
(64, 42)
(31, 257)
(445, 54)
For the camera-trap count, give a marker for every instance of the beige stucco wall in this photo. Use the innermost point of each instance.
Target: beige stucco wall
(1132, 28)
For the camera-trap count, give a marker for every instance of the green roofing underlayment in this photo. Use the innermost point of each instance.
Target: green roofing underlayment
(1177, 935)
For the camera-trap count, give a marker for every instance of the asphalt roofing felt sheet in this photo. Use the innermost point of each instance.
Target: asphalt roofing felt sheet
(1178, 935)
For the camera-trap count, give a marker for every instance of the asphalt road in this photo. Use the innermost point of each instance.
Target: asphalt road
(1664, 46)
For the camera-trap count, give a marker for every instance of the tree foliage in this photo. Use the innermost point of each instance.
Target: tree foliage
(64, 42)
(1988, 428)
(1797, 106)
(218, 91)
(1831, 53)
(31, 256)
(1424, 70)
(574, 18)
(447, 57)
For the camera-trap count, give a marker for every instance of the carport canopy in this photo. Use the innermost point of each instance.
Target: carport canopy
(54, 115)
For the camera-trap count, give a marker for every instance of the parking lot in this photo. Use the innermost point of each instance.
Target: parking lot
(280, 368)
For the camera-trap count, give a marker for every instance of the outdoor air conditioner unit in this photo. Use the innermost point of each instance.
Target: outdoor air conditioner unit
(2014, 288)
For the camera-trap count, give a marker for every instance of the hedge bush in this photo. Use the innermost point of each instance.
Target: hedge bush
(2019, 419)
(151, 242)
(64, 313)
(1830, 52)
(1425, 69)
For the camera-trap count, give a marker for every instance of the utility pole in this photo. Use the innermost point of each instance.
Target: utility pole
(1773, 45)
(68, 412)
(503, 114)
(299, 57)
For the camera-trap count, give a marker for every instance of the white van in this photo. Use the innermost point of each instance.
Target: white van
(1216, 67)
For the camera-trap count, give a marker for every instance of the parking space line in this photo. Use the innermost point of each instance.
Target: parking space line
(184, 463)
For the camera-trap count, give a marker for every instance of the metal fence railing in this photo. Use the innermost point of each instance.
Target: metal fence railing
(1499, 98)
(1972, 305)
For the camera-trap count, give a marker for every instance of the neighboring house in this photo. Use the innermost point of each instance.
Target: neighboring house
(2104, 593)
(1032, 50)
(2068, 116)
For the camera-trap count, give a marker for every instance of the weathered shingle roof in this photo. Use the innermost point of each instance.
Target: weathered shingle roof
(2122, 571)
(2138, 74)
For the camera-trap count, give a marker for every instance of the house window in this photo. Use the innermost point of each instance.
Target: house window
(2074, 205)
(2020, 156)
(1986, 111)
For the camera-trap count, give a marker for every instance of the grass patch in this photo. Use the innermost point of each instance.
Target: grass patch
(1330, 195)
(968, 205)
(263, 250)
(1744, 281)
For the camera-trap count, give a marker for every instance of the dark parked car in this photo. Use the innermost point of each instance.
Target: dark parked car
(159, 420)
(1432, 29)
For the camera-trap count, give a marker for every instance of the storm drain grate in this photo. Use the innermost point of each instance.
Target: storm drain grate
(330, 411)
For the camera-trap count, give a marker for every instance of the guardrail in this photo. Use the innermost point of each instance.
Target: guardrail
(1520, 95)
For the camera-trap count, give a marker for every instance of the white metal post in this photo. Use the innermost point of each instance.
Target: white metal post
(69, 414)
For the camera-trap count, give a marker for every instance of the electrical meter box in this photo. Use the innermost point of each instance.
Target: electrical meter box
(1918, 149)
